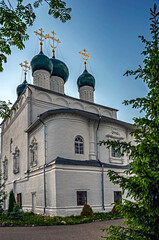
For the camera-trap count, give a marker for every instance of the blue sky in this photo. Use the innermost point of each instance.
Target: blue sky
(109, 31)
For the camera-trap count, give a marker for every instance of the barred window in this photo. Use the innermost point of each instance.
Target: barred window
(79, 145)
(81, 197)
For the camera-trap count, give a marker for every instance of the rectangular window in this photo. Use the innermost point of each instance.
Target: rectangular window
(117, 197)
(19, 199)
(81, 197)
(115, 154)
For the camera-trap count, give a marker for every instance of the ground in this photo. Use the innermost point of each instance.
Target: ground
(88, 231)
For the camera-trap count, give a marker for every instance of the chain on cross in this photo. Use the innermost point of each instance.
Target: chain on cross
(53, 42)
(86, 57)
(41, 38)
(25, 68)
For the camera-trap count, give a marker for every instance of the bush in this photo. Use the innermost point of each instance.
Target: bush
(115, 209)
(16, 214)
(87, 211)
(1, 210)
(11, 202)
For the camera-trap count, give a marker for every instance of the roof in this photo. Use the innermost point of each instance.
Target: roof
(83, 113)
(93, 163)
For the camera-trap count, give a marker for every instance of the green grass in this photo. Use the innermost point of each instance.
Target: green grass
(29, 219)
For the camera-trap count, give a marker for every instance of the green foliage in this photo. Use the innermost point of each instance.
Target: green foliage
(87, 211)
(3, 194)
(141, 182)
(116, 209)
(11, 202)
(16, 214)
(14, 22)
(4, 109)
(29, 219)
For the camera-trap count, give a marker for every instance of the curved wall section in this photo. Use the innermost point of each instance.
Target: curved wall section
(61, 132)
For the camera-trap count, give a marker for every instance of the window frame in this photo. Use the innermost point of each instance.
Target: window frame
(79, 145)
(118, 197)
(19, 199)
(81, 200)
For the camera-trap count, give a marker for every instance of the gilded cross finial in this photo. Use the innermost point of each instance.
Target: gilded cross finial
(86, 57)
(41, 37)
(25, 68)
(53, 40)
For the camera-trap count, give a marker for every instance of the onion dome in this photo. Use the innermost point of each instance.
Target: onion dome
(21, 87)
(86, 79)
(59, 69)
(41, 62)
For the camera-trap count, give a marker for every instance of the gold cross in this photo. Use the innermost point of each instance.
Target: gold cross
(86, 57)
(41, 37)
(53, 39)
(25, 68)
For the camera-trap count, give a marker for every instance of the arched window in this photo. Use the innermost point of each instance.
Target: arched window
(79, 145)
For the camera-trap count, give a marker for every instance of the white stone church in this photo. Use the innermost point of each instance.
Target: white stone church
(50, 153)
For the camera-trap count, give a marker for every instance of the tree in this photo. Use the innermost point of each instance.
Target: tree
(11, 201)
(2, 192)
(141, 181)
(4, 109)
(14, 21)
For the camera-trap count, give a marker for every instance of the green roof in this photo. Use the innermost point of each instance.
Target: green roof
(86, 79)
(21, 87)
(59, 69)
(41, 61)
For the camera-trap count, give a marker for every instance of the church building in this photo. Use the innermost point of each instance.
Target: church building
(51, 158)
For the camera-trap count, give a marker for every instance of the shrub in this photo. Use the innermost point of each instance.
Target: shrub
(16, 214)
(87, 211)
(115, 209)
(1, 210)
(11, 202)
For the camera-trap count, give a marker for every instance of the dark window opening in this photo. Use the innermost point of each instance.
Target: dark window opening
(117, 197)
(19, 199)
(81, 197)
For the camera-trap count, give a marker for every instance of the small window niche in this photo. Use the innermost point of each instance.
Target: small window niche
(33, 152)
(5, 168)
(11, 145)
(16, 159)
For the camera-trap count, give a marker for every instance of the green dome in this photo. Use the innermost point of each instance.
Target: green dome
(86, 79)
(41, 61)
(59, 69)
(21, 87)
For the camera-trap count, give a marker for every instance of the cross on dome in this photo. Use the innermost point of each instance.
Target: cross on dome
(25, 68)
(41, 37)
(86, 57)
(53, 40)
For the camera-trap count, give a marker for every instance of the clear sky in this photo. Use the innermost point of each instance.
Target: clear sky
(109, 31)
